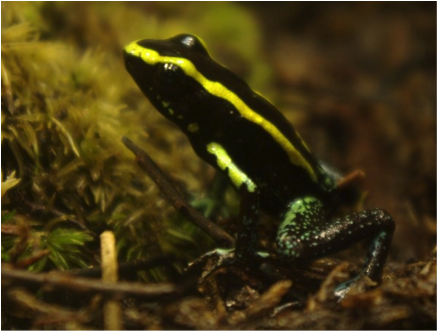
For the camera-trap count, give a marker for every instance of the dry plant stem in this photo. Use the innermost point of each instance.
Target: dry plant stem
(127, 267)
(45, 313)
(175, 198)
(10, 229)
(152, 292)
(36, 256)
(353, 178)
(111, 311)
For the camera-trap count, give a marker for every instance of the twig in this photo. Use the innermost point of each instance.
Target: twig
(155, 291)
(45, 313)
(10, 229)
(127, 267)
(353, 178)
(175, 198)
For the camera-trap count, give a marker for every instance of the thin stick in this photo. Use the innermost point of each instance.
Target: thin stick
(175, 198)
(153, 291)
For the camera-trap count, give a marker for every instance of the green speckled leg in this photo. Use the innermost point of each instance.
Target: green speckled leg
(305, 234)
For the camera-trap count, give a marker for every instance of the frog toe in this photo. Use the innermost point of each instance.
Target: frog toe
(342, 289)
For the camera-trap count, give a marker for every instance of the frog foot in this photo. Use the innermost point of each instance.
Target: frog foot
(218, 259)
(342, 289)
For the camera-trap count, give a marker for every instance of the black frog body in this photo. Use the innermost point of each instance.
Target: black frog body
(244, 136)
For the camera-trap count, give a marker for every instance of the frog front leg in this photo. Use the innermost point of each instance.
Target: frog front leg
(304, 234)
(248, 219)
(244, 253)
(249, 205)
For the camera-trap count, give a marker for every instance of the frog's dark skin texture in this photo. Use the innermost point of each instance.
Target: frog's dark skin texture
(244, 136)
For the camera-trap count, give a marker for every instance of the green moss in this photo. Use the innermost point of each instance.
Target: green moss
(67, 103)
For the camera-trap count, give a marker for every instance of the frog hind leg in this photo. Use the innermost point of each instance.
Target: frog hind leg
(304, 234)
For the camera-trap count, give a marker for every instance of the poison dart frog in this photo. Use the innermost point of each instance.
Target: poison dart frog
(244, 136)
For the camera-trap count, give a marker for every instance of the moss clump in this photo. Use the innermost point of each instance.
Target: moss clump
(66, 103)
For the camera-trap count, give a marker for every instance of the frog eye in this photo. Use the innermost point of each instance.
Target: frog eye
(191, 42)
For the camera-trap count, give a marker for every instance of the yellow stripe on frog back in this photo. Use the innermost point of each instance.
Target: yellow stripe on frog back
(152, 57)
